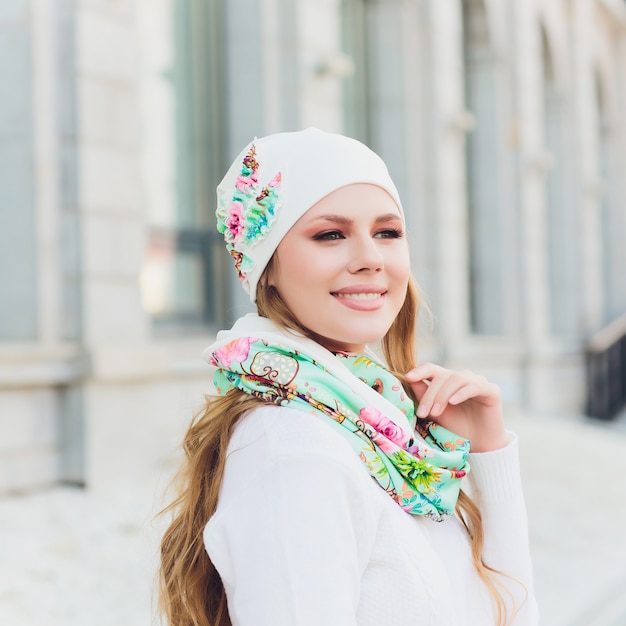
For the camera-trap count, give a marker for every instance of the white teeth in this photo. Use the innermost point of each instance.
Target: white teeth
(359, 296)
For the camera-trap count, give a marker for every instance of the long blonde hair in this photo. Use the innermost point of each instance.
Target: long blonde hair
(191, 591)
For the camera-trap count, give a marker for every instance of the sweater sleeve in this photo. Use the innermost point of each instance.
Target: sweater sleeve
(292, 537)
(496, 487)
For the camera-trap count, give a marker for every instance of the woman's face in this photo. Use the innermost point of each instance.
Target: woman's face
(343, 268)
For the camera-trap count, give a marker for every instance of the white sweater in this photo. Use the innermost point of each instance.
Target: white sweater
(303, 536)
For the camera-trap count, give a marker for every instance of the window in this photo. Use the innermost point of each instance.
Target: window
(561, 225)
(183, 97)
(484, 176)
(18, 254)
(355, 91)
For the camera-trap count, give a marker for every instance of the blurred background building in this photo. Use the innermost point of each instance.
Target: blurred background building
(502, 123)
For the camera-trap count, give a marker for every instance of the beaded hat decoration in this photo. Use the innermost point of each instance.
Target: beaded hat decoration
(275, 180)
(245, 220)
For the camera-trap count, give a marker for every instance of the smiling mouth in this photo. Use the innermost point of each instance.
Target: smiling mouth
(359, 296)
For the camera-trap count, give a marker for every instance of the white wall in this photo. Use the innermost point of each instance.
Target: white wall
(88, 391)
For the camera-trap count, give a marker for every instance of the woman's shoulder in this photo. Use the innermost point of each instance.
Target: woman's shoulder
(276, 450)
(280, 431)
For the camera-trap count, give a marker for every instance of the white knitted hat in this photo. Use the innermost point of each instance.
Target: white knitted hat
(276, 179)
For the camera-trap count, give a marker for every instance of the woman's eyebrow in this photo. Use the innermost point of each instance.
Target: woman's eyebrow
(338, 219)
(388, 217)
(341, 219)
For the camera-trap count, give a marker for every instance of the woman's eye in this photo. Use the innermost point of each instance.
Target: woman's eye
(390, 233)
(329, 235)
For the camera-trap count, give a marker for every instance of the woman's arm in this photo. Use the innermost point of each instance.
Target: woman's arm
(496, 488)
(471, 406)
(291, 536)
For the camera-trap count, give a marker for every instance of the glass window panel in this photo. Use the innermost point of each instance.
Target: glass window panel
(18, 252)
(173, 283)
(183, 97)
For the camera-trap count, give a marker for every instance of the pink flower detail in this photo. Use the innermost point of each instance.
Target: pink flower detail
(234, 222)
(235, 350)
(275, 182)
(246, 182)
(387, 446)
(382, 425)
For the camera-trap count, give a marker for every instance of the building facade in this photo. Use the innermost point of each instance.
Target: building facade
(501, 122)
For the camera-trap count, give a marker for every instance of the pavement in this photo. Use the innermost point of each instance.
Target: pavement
(573, 471)
(69, 557)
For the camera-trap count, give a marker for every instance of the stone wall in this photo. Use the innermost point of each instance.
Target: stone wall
(91, 392)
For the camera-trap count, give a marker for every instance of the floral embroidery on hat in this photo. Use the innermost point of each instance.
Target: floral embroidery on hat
(247, 217)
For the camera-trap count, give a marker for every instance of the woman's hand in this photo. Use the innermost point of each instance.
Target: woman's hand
(463, 402)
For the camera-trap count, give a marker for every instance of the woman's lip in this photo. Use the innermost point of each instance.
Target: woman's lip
(361, 300)
(367, 289)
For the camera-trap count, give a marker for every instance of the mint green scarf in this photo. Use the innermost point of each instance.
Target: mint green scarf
(418, 463)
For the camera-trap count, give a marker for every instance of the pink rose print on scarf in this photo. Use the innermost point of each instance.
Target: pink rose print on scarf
(388, 447)
(235, 350)
(384, 426)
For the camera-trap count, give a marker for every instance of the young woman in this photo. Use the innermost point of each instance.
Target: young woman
(322, 482)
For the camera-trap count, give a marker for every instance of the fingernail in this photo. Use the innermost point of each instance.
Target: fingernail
(436, 409)
(422, 411)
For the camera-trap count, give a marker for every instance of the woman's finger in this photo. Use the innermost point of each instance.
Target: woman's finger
(419, 387)
(425, 371)
(429, 401)
(452, 384)
(489, 392)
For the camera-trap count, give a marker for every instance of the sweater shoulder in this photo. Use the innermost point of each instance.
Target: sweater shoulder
(275, 440)
(276, 431)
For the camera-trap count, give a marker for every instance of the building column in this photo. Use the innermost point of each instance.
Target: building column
(534, 162)
(321, 64)
(115, 328)
(495, 351)
(589, 184)
(448, 190)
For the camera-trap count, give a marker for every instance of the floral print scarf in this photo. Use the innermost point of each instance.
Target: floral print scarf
(417, 462)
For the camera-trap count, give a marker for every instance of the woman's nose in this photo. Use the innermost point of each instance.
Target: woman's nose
(365, 256)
